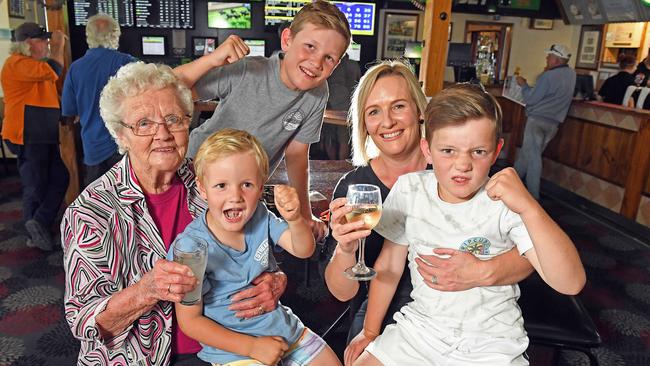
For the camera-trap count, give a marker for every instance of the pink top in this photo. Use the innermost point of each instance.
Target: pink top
(171, 215)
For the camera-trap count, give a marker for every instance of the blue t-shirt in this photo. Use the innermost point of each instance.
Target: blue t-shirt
(230, 271)
(83, 84)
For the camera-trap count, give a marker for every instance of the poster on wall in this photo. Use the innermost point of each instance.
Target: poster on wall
(17, 8)
(398, 30)
(589, 47)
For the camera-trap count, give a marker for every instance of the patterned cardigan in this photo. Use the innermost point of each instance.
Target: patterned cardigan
(109, 242)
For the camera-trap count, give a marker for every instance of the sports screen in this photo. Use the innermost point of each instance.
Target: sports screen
(361, 17)
(229, 15)
(257, 46)
(120, 10)
(277, 12)
(153, 46)
(164, 13)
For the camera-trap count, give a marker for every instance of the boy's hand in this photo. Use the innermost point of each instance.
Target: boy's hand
(507, 187)
(231, 50)
(287, 202)
(268, 350)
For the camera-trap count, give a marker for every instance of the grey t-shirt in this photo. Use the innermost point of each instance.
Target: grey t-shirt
(254, 99)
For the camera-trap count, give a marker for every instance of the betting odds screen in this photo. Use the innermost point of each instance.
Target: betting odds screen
(164, 13)
(121, 10)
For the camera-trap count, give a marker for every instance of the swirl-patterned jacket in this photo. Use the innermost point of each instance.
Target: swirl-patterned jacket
(109, 242)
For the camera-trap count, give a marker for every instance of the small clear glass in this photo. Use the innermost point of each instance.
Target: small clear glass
(192, 252)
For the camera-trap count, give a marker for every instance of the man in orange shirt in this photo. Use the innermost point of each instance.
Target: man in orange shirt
(31, 125)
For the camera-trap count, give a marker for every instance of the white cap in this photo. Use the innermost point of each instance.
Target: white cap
(559, 50)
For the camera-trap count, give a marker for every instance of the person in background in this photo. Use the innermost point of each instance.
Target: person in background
(241, 233)
(335, 140)
(31, 126)
(280, 100)
(119, 289)
(642, 72)
(386, 112)
(614, 88)
(83, 84)
(547, 104)
(458, 206)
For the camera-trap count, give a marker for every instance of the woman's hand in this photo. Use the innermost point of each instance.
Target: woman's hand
(261, 298)
(355, 348)
(346, 234)
(268, 350)
(167, 281)
(455, 271)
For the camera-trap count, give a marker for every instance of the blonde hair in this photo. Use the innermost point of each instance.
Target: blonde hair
(102, 31)
(227, 142)
(460, 103)
(322, 14)
(363, 148)
(21, 48)
(134, 79)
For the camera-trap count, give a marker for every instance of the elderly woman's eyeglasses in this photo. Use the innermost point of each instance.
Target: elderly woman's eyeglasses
(146, 127)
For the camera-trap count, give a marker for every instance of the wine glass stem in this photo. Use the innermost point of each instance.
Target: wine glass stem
(362, 246)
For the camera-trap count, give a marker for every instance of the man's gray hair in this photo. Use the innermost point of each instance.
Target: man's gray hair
(134, 79)
(103, 31)
(21, 48)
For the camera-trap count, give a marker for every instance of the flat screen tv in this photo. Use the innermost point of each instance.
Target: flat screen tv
(257, 46)
(459, 54)
(229, 15)
(153, 46)
(203, 45)
(361, 17)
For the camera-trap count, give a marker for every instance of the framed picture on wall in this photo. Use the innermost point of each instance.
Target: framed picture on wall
(17, 8)
(398, 28)
(589, 47)
(544, 24)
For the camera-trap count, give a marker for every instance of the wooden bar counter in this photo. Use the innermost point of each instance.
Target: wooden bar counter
(601, 152)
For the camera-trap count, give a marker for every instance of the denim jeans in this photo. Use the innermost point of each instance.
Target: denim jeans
(44, 178)
(537, 134)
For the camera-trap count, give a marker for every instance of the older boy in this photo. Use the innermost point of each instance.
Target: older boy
(280, 100)
(457, 204)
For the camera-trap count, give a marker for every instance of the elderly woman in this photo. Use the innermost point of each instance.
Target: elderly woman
(386, 109)
(119, 288)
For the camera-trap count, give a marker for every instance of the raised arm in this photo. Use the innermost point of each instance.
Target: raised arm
(553, 254)
(297, 161)
(298, 240)
(231, 50)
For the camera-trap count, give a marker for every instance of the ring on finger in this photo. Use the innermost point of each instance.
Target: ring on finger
(434, 279)
(260, 310)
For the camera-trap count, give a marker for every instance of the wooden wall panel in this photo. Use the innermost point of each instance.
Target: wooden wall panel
(562, 147)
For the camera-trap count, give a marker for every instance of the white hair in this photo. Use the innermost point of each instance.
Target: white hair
(103, 31)
(134, 79)
(21, 48)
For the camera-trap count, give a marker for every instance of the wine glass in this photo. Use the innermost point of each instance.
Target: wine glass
(365, 200)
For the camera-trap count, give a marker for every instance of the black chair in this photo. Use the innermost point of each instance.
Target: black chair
(555, 320)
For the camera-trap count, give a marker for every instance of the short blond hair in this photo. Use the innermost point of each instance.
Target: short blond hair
(460, 103)
(363, 149)
(322, 14)
(225, 143)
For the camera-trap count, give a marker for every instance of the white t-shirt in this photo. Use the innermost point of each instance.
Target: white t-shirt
(414, 215)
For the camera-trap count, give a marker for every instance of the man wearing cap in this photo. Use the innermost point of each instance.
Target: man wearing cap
(31, 125)
(84, 82)
(547, 104)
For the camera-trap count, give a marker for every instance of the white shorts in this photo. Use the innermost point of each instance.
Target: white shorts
(402, 346)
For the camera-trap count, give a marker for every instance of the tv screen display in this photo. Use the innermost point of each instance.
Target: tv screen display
(277, 12)
(459, 54)
(153, 46)
(203, 45)
(354, 51)
(257, 46)
(120, 10)
(229, 15)
(413, 49)
(361, 17)
(164, 13)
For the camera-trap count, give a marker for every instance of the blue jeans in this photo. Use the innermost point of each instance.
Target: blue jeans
(44, 178)
(537, 134)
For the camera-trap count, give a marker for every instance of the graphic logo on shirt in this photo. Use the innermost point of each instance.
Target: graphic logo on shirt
(292, 120)
(262, 254)
(476, 246)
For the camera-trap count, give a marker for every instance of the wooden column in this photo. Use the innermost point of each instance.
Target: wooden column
(56, 21)
(638, 173)
(437, 15)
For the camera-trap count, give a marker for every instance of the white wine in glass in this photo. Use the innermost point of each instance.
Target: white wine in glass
(365, 200)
